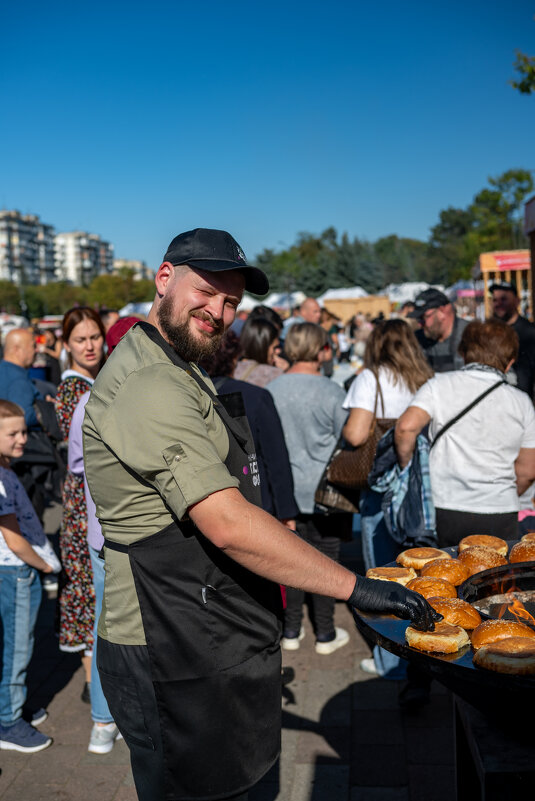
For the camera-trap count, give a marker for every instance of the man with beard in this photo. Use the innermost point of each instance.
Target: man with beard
(188, 645)
(440, 330)
(505, 302)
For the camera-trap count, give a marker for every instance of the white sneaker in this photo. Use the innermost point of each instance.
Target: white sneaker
(292, 643)
(369, 666)
(103, 738)
(341, 639)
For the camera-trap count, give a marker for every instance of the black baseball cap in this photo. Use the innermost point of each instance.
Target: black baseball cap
(504, 285)
(428, 299)
(214, 251)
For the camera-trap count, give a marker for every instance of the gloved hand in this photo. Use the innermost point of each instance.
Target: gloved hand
(389, 598)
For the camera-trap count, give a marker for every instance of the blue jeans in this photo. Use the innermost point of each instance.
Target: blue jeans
(378, 548)
(20, 598)
(100, 711)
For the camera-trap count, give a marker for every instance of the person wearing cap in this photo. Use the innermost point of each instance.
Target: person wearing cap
(440, 330)
(188, 637)
(505, 302)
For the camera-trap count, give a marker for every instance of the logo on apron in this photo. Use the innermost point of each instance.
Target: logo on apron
(252, 469)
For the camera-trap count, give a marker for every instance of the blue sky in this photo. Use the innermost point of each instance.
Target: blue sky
(138, 121)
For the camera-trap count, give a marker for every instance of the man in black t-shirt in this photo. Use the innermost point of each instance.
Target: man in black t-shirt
(505, 303)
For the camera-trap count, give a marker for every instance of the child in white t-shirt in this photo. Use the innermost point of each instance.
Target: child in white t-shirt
(24, 550)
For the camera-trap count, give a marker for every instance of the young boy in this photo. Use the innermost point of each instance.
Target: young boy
(20, 587)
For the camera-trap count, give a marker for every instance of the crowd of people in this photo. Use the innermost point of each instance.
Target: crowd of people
(421, 368)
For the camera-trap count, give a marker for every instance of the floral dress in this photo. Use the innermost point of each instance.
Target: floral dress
(77, 597)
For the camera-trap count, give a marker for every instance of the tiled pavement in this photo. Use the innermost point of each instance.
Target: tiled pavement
(344, 737)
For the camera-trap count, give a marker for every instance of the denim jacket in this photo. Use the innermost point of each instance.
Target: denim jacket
(407, 504)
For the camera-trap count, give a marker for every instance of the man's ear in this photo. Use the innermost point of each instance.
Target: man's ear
(509, 366)
(165, 274)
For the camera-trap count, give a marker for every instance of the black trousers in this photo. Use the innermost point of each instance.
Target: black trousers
(126, 681)
(452, 526)
(317, 531)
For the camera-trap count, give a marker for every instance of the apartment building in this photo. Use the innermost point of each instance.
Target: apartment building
(26, 249)
(139, 268)
(80, 257)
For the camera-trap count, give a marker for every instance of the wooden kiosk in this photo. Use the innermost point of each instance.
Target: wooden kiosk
(346, 308)
(513, 266)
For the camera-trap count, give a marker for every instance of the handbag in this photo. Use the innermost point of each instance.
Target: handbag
(330, 499)
(350, 468)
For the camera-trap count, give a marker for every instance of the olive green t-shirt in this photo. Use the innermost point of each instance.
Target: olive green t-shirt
(153, 447)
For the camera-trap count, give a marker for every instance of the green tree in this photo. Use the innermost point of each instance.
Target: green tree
(493, 221)
(115, 291)
(370, 272)
(498, 211)
(57, 298)
(345, 263)
(9, 298)
(403, 259)
(451, 256)
(142, 291)
(525, 66)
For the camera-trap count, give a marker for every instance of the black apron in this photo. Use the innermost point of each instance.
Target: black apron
(212, 631)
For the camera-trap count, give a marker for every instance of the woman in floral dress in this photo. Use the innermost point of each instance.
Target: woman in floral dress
(83, 339)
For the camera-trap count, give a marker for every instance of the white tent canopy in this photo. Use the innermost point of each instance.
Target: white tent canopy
(248, 303)
(278, 300)
(10, 321)
(342, 293)
(133, 309)
(401, 293)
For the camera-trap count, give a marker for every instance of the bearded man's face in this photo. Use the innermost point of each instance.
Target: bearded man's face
(197, 309)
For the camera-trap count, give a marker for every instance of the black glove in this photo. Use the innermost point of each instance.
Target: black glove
(389, 598)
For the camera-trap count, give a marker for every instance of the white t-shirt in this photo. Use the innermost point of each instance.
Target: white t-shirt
(472, 464)
(361, 394)
(343, 342)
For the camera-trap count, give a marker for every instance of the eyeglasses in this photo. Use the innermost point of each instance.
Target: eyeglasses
(427, 314)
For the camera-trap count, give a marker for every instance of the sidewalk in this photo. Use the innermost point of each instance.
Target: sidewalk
(344, 738)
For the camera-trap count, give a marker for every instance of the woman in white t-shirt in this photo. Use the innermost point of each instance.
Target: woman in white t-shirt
(486, 459)
(394, 369)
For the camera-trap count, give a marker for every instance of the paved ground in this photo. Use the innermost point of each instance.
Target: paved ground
(344, 738)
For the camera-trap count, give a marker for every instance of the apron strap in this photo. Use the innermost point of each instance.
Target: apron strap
(177, 360)
(186, 528)
(115, 546)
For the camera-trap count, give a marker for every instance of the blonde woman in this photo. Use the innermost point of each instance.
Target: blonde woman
(394, 369)
(311, 414)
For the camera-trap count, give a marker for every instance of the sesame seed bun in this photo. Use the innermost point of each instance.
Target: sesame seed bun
(418, 557)
(445, 639)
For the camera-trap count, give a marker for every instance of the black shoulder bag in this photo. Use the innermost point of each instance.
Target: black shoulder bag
(466, 410)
